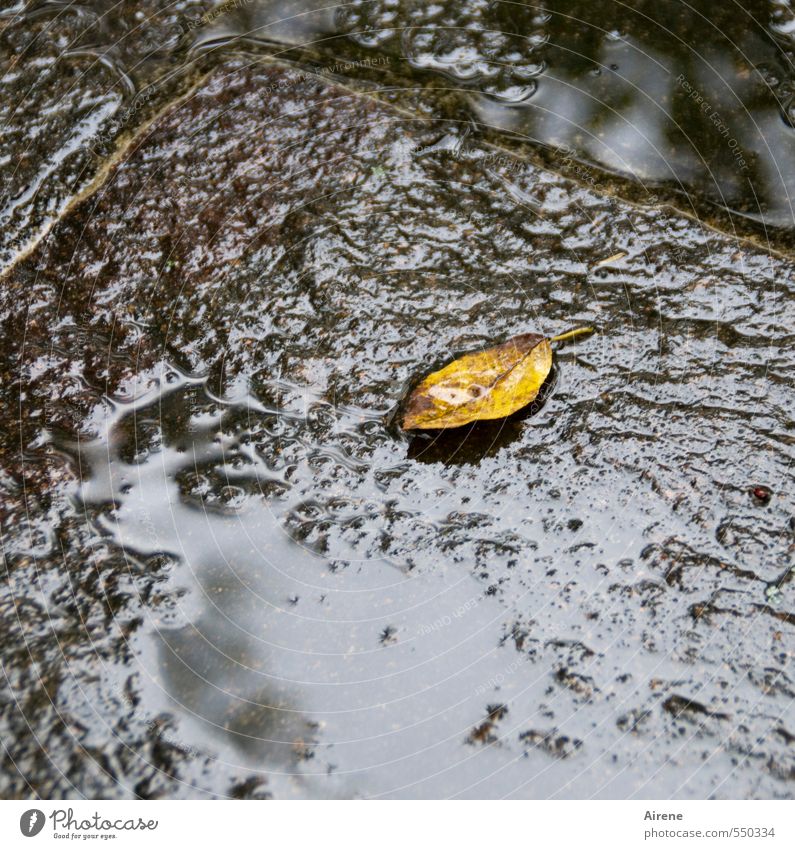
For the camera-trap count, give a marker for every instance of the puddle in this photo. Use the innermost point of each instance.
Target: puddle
(225, 572)
(692, 102)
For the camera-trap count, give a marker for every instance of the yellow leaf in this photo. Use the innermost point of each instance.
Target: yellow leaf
(490, 384)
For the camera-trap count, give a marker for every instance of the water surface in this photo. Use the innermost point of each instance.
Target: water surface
(227, 573)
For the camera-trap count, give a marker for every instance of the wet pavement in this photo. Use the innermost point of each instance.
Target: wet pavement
(227, 572)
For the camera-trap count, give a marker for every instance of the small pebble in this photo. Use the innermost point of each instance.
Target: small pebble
(761, 494)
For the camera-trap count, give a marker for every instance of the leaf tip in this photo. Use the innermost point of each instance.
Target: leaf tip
(571, 334)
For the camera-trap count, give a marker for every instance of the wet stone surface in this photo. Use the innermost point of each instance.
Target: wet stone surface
(74, 80)
(227, 573)
(692, 99)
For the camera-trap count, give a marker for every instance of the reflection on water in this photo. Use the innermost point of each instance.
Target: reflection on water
(249, 555)
(303, 669)
(695, 97)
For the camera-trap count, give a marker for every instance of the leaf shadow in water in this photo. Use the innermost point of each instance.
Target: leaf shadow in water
(470, 444)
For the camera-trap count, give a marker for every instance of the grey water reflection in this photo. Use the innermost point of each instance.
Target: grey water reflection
(274, 661)
(693, 97)
(248, 574)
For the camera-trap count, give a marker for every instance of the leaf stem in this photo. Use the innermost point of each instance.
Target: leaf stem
(570, 334)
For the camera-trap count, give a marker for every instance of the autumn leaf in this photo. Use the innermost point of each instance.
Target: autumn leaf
(486, 385)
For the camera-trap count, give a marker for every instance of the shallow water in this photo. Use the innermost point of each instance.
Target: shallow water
(228, 573)
(692, 99)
